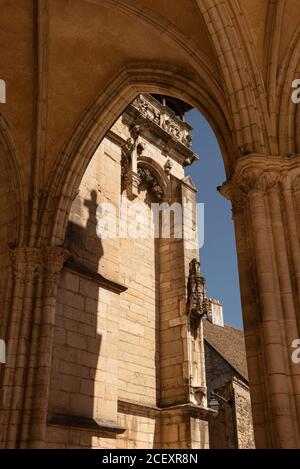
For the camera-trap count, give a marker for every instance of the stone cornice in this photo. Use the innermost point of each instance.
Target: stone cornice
(183, 155)
(163, 116)
(158, 134)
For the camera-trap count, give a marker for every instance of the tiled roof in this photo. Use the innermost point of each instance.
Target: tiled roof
(228, 342)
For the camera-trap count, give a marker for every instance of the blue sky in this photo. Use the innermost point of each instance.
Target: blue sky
(218, 254)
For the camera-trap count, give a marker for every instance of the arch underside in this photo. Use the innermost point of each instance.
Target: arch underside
(240, 80)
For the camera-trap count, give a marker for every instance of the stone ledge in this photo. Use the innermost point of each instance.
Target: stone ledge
(191, 409)
(135, 408)
(144, 410)
(87, 423)
(73, 266)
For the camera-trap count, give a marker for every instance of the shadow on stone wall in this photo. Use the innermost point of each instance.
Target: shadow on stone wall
(77, 344)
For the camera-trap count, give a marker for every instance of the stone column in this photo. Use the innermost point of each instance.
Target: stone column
(265, 229)
(251, 316)
(27, 261)
(296, 200)
(24, 263)
(26, 375)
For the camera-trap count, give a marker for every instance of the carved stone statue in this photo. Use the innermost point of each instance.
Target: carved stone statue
(197, 300)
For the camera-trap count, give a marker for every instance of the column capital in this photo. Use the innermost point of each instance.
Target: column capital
(53, 259)
(55, 256)
(31, 261)
(257, 173)
(296, 183)
(26, 261)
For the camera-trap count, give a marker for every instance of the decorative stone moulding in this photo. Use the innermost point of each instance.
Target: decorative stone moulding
(148, 118)
(132, 175)
(153, 110)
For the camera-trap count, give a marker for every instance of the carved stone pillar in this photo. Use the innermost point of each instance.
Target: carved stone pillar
(29, 336)
(265, 228)
(53, 262)
(24, 267)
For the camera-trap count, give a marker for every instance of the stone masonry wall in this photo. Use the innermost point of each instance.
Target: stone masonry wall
(244, 423)
(106, 346)
(85, 356)
(233, 426)
(218, 370)
(138, 339)
(117, 354)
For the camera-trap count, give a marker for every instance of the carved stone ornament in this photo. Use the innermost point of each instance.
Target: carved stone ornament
(140, 148)
(155, 112)
(135, 131)
(53, 260)
(29, 263)
(168, 167)
(129, 178)
(147, 109)
(197, 301)
(127, 149)
(26, 263)
(187, 139)
(296, 184)
(251, 181)
(146, 178)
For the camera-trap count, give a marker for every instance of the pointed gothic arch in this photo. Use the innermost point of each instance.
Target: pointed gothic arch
(104, 111)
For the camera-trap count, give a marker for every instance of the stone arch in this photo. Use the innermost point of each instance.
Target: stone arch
(238, 111)
(11, 186)
(274, 21)
(287, 110)
(155, 169)
(100, 116)
(239, 68)
(235, 53)
(12, 213)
